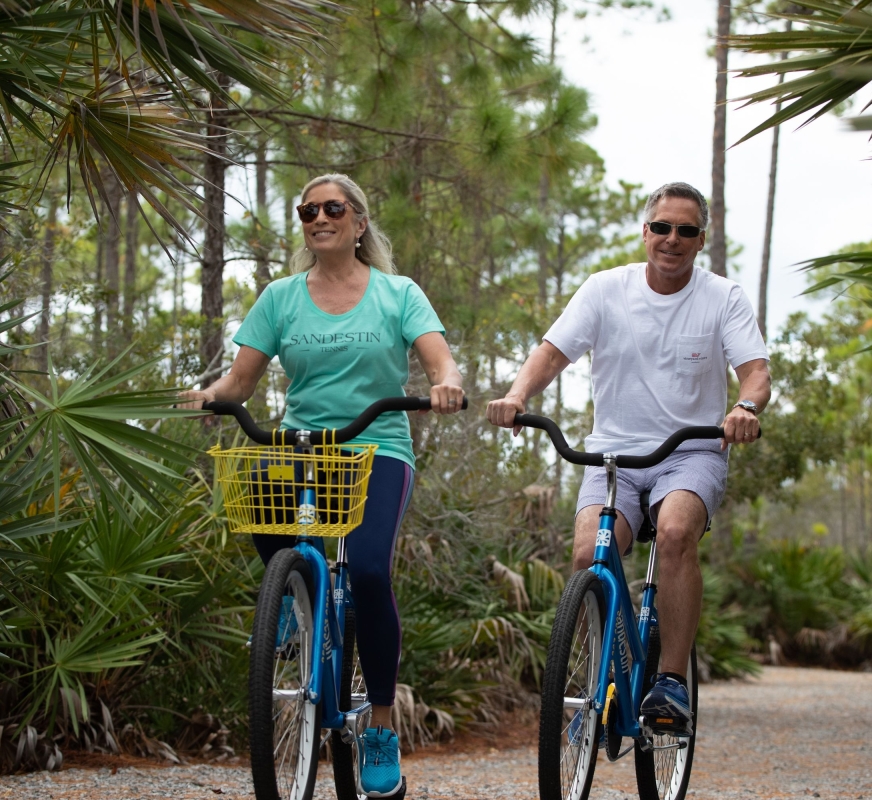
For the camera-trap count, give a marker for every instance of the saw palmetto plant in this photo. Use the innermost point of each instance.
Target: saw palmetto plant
(125, 86)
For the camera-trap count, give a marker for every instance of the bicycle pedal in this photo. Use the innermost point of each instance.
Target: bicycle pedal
(664, 726)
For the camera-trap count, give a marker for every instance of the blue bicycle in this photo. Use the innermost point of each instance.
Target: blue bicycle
(303, 675)
(600, 663)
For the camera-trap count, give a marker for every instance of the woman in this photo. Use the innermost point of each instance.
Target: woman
(342, 327)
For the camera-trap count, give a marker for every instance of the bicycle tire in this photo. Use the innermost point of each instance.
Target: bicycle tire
(567, 759)
(284, 734)
(345, 755)
(665, 774)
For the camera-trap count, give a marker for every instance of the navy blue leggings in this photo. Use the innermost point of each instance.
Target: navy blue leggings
(370, 557)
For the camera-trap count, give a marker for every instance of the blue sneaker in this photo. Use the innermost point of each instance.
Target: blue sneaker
(378, 758)
(287, 627)
(666, 708)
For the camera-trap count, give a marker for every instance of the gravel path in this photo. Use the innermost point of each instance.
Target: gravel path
(790, 734)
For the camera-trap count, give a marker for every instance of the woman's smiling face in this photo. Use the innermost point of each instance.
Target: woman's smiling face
(331, 237)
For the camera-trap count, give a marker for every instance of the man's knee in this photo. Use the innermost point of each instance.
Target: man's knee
(680, 525)
(586, 525)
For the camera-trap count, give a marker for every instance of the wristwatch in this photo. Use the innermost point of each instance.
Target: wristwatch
(748, 405)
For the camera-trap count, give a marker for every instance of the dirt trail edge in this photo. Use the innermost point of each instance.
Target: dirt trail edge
(789, 734)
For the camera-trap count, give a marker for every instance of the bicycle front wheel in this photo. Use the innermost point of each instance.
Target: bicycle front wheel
(664, 772)
(569, 726)
(284, 726)
(352, 692)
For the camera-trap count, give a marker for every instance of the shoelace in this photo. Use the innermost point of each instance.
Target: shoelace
(375, 748)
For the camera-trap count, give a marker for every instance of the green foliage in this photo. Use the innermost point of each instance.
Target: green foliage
(804, 598)
(722, 642)
(116, 572)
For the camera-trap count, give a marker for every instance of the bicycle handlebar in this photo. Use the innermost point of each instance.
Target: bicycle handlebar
(633, 462)
(288, 436)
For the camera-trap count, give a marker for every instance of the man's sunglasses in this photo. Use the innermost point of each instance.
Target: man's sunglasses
(335, 209)
(664, 229)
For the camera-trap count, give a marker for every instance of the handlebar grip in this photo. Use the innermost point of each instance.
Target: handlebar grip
(288, 436)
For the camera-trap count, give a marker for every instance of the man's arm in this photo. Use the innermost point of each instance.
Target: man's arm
(545, 363)
(755, 385)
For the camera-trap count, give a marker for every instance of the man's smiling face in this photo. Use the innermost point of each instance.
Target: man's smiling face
(670, 256)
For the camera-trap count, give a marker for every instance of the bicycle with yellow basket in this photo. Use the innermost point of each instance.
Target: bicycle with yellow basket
(303, 673)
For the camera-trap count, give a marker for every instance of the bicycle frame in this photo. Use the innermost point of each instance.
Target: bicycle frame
(626, 643)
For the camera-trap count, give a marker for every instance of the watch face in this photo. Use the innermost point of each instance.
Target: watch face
(748, 405)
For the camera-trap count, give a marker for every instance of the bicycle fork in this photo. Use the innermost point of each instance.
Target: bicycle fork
(329, 617)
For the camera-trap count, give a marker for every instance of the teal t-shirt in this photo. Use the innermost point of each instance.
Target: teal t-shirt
(338, 364)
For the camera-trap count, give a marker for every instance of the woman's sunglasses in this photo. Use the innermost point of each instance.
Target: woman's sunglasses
(664, 229)
(335, 209)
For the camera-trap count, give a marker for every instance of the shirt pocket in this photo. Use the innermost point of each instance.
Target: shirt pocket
(694, 354)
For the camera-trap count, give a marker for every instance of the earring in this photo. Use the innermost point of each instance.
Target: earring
(358, 243)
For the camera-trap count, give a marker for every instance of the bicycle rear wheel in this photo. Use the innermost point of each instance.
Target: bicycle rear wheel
(664, 774)
(284, 727)
(569, 726)
(352, 692)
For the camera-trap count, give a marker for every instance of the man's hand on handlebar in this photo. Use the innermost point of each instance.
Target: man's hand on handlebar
(445, 398)
(502, 412)
(740, 427)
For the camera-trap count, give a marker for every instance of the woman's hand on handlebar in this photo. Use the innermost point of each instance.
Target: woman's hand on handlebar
(193, 399)
(445, 398)
(502, 412)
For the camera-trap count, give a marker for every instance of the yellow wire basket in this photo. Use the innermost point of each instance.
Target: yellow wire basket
(262, 488)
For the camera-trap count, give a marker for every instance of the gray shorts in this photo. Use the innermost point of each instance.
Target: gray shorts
(703, 472)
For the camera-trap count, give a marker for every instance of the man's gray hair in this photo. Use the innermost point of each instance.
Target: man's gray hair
(678, 189)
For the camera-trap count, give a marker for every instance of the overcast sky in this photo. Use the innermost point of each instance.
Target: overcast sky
(652, 88)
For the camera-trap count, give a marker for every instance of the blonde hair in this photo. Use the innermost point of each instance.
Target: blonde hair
(375, 248)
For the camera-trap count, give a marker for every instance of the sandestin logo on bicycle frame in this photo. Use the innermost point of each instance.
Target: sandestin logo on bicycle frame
(327, 646)
(621, 636)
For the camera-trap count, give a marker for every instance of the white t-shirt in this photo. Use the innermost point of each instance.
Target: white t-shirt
(658, 361)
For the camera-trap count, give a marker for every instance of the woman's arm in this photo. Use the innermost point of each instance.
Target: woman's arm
(237, 385)
(446, 392)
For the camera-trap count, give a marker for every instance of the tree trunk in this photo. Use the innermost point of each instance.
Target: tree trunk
(212, 280)
(770, 216)
(261, 220)
(131, 245)
(560, 271)
(97, 332)
(718, 239)
(48, 250)
(112, 254)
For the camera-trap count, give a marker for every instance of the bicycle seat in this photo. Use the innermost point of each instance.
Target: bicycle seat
(648, 531)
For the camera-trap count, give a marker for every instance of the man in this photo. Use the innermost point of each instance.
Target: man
(661, 335)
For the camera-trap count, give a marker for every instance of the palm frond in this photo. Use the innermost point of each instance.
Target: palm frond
(834, 46)
(95, 430)
(860, 273)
